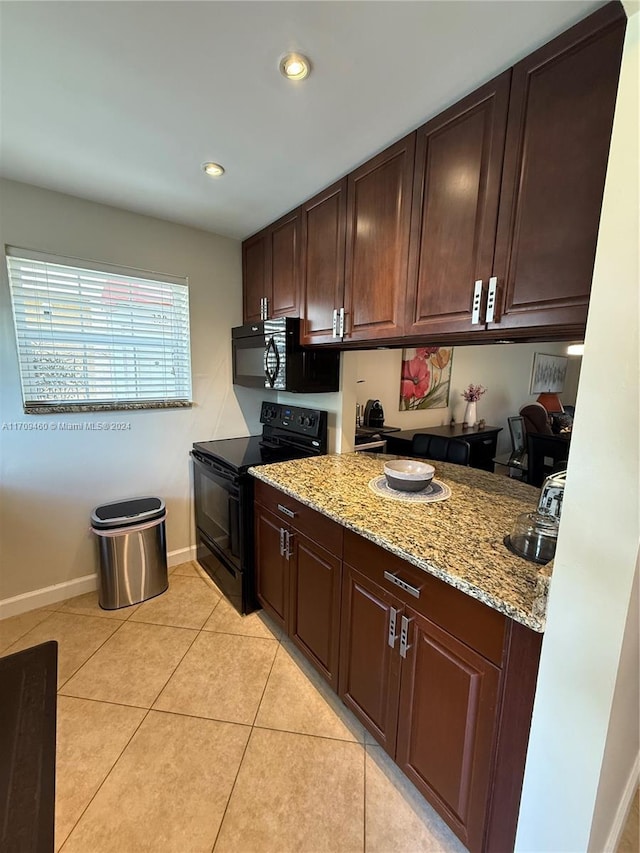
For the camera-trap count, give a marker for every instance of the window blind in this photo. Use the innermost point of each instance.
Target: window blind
(103, 338)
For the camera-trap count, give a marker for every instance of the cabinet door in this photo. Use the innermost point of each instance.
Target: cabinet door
(272, 569)
(447, 716)
(455, 210)
(254, 275)
(560, 118)
(369, 660)
(284, 269)
(314, 623)
(323, 243)
(378, 224)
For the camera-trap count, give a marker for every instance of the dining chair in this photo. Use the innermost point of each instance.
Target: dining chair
(536, 418)
(546, 454)
(440, 448)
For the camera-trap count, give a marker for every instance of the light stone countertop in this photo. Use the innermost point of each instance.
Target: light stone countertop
(459, 540)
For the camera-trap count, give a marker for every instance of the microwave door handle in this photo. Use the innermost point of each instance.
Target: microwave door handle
(271, 375)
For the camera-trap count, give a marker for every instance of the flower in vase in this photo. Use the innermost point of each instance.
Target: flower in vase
(473, 393)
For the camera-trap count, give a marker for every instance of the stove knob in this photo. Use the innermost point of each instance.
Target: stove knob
(300, 420)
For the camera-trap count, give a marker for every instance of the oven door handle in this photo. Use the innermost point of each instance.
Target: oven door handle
(211, 466)
(271, 375)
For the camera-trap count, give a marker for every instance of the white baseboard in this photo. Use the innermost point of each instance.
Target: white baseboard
(182, 555)
(617, 827)
(48, 595)
(77, 586)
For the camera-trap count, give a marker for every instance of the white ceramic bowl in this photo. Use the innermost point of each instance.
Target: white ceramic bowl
(408, 475)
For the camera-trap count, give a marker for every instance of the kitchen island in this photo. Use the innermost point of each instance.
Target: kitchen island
(459, 540)
(418, 616)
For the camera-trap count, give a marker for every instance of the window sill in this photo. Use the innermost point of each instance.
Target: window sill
(107, 407)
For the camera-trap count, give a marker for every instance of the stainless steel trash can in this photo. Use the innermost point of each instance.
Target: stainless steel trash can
(133, 551)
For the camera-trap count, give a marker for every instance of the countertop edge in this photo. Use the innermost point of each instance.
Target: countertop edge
(536, 620)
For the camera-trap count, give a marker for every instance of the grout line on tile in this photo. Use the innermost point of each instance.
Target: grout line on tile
(102, 701)
(264, 689)
(307, 734)
(99, 788)
(5, 649)
(173, 671)
(60, 686)
(233, 787)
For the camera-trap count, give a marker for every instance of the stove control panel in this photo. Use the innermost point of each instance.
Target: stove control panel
(294, 420)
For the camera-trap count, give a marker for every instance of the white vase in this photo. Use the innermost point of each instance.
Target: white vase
(470, 414)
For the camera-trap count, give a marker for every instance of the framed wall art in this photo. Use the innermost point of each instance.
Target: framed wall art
(425, 378)
(548, 373)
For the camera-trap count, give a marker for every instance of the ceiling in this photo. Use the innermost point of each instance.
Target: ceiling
(121, 103)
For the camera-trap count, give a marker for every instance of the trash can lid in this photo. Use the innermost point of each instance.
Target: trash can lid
(126, 513)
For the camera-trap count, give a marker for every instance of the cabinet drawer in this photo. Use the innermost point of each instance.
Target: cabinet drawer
(304, 519)
(477, 625)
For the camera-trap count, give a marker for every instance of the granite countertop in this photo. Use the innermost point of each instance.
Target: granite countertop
(459, 540)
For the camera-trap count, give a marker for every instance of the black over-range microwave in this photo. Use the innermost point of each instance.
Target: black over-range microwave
(267, 354)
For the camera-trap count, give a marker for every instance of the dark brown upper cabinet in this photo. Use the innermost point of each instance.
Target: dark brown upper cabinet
(254, 277)
(560, 118)
(323, 245)
(271, 271)
(456, 191)
(482, 224)
(378, 225)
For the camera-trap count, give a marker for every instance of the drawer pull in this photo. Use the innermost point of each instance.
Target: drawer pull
(404, 636)
(412, 590)
(282, 535)
(393, 615)
(286, 511)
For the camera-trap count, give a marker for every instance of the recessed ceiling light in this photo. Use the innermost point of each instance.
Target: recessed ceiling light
(214, 170)
(295, 66)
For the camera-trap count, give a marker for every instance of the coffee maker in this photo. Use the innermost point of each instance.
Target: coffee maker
(373, 414)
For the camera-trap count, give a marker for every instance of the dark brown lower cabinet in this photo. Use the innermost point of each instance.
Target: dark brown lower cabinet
(314, 603)
(444, 683)
(272, 568)
(448, 699)
(298, 579)
(369, 666)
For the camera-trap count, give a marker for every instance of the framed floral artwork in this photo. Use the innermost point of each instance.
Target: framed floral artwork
(425, 378)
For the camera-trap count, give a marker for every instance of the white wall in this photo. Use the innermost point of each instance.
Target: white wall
(619, 777)
(598, 543)
(505, 369)
(52, 480)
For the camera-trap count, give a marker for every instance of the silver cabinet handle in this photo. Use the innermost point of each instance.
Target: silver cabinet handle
(393, 615)
(288, 552)
(286, 511)
(412, 590)
(266, 307)
(404, 636)
(282, 535)
(491, 299)
(341, 323)
(477, 301)
(335, 323)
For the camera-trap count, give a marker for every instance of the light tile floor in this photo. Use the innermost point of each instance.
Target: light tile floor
(185, 727)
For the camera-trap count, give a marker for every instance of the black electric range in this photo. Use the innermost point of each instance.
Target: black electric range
(224, 492)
